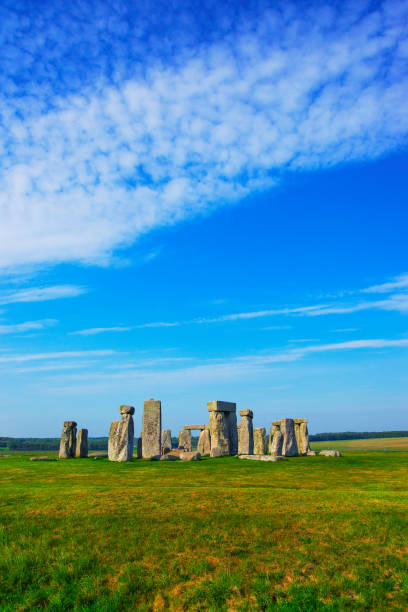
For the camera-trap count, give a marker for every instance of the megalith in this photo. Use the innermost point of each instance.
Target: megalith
(223, 427)
(151, 429)
(260, 445)
(82, 443)
(121, 436)
(302, 436)
(185, 440)
(246, 433)
(275, 441)
(289, 443)
(204, 442)
(166, 441)
(68, 440)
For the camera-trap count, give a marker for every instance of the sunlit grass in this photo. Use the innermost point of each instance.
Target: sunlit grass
(310, 533)
(358, 446)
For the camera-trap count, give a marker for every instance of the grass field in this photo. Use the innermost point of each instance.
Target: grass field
(309, 533)
(358, 446)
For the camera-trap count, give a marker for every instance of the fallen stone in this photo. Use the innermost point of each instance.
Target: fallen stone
(185, 440)
(176, 452)
(168, 457)
(330, 453)
(311, 453)
(42, 459)
(204, 443)
(82, 444)
(68, 440)
(192, 456)
(259, 441)
(98, 455)
(151, 430)
(261, 457)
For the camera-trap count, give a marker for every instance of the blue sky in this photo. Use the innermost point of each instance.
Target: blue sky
(203, 202)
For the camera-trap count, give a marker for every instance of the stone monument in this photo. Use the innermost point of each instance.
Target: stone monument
(151, 429)
(204, 442)
(289, 443)
(223, 428)
(260, 445)
(121, 436)
(68, 440)
(166, 445)
(246, 433)
(302, 436)
(82, 443)
(185, 440)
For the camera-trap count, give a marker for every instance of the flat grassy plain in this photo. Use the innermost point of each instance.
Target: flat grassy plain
(359, 446)
(308, 533)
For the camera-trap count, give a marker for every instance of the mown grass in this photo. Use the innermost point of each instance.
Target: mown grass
(358, 446)
(309, 533)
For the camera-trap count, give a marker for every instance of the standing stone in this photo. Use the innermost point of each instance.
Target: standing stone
(68, 440)
(185, 440)
(276, 445)
(82, 443)
(121, 436)
(151, 433)
(246, 433)
(223, 427)
(138, 447)
(302, 436)
(166, 441)
(289, 446)
(204, 443)
(259, 441)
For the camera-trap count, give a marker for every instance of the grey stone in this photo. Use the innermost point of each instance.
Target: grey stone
(190, 456)
(195, 427)
(217, 406)
(261, 457)
(219, 433)
(303, 443)
(246, 433)
(204, 442)
(166, 440)
(121, 438)
(138, 447)
(98, 455)
(40, 458)
(260, 445)
(289, 446)
(185, 440)
(82, 443)
(311, 453)
(231, 419)
(151, 433)
(217, 452)
(245, 412)
(330, 453)
(277, 443)
(68, 440)
(168, 457)
(127, 410)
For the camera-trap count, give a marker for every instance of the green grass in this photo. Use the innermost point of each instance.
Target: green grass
(309, 533)
(370, 444)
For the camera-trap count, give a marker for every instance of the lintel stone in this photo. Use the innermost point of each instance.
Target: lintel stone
(246, 412)
(217, 406)
(195, 427)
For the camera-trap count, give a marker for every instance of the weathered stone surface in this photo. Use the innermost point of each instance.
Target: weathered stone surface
(216, 451)
(217, 406)
(82, 443)
(195, 427)
(289, 447)
(68, 440)
(204, 442)
(299, 421)
(260, 441)
(166, 440)
(276, 445)
(151, 433)
(303, 443)
(261, 457)
(330, 453)
(190, 456)
(219, 432)
(246, 412)
(127, 410)
(138, 451)
(311, 453)
(98, 455)
(185, 440)
(246, 433)
(167, 457)
(231, 419)
(121, 438)
(41, 458)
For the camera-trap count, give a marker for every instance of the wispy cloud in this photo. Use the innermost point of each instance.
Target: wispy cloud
(158, 324)
(41, 294)
(27, 326)
(93, 331)
(91, 161)
(56, 355)
(399, 282)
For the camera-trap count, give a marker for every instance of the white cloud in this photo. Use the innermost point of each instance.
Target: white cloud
(99, 167)
(99, 330)
(41, 294)
(400, 282)
(27, 326)
(56, 355)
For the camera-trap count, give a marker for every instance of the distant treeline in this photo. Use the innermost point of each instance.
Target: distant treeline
(46, 444)
(356, 435)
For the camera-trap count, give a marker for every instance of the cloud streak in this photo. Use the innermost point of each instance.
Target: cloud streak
(27, 326)
(41, 294)
(89, 170)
